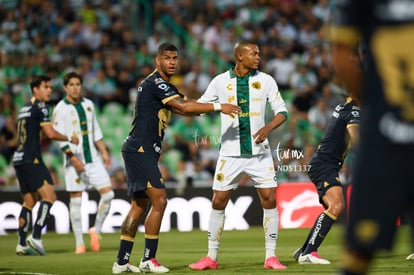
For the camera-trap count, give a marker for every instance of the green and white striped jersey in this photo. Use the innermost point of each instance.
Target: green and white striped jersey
(250, 93)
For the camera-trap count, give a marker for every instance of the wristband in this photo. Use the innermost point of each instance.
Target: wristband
(69, 155)
(217, 106)
(70, 139)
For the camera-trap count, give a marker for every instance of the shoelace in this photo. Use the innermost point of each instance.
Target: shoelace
(155, 262)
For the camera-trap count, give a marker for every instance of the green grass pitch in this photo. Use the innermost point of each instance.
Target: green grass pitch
(242, 252)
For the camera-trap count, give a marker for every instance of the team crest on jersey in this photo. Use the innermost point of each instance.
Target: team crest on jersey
(230, 99)
(257, 85)
(89, 109)
(230, 86)
(220, 177)
(158, 80)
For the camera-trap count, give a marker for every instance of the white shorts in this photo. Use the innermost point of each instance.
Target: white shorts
(95, 176)
(229, 170)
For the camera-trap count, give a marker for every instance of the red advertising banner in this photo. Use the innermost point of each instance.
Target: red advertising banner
(298, 205)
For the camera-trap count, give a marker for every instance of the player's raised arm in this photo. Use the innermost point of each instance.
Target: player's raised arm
(188, 108)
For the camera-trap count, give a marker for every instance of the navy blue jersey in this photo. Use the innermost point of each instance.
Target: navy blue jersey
(335, 142)
(30, 119)
(387, 28)
(151, 114)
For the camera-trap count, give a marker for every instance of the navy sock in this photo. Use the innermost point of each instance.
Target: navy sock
(26, 216)
(151, 245)
(318, 232)
(42, 217)
(125, 249)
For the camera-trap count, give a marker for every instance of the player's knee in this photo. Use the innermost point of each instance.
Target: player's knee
(108, 196)
(337, 208)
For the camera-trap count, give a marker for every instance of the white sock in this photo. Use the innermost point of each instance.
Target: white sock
(271, 229)
(215, 228)
(76, 219)
(103, 209)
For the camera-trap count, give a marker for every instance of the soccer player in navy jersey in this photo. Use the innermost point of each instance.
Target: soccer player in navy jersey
(382, 177)
(157, 98)
(340, 134)
(33, 176)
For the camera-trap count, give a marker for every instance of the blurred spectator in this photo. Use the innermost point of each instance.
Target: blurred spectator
(103, 90)
(201, 78)
(186, 131)
(281, 67)
(8, 138)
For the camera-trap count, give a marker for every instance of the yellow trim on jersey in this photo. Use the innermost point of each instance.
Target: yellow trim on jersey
(352, 124)
(152, 237)
(45, 123)
(165, 100)
(127, 238)
(344, 35)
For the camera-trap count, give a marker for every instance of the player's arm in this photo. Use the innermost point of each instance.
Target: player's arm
(263, 132)
(190, 108)
(353, 132)
(51, 133)
(104, 153)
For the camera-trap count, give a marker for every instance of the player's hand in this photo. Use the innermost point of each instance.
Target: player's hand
(107, 160)
(230, 109)
(77, 164)
(260, 135)
(74, 139)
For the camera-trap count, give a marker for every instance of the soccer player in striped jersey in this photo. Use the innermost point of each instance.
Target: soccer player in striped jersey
(245, 147)
(84, 164)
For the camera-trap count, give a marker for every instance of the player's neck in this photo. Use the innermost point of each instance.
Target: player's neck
(240, 71)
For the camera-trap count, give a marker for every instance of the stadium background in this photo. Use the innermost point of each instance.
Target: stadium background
(112, 44)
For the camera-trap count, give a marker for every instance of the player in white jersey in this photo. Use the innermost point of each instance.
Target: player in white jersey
(244, 147)
(83, 163)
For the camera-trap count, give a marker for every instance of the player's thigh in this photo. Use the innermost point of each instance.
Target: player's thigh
(228, 173)
(73, 181)
(31, 177)
(142, 172)
(261, 170)
(97, 175)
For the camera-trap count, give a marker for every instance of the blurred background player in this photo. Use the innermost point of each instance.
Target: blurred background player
(33, 176)
(84, 164)
(383, 166)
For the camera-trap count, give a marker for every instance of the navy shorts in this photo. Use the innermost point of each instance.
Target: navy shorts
(32, 176)
(142, 172)
(324, 175)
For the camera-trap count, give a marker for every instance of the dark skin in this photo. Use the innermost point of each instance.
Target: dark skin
(166, 65)
(248, 58)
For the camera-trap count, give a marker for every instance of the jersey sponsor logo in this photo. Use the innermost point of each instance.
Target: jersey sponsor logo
(230, 99)
(229, 87)
(249, 114)
(396, 130)
(242, 101)
(159, 80)
(355, 113)
(335, 114)
(257, 85)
